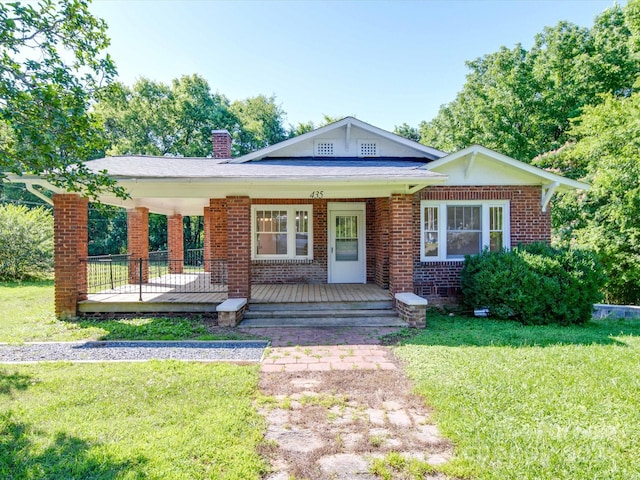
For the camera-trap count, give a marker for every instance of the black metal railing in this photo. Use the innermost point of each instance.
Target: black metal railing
(122, 274)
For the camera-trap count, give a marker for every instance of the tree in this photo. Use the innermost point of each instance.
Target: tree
(260, 123)
(51, 65)
(407, 131)
(521, 102)
(153, 118)
(300, 128)
(26, 241)
(606, 218)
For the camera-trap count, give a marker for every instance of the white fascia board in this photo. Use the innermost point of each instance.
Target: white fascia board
(166, 185)
(564, 184)
(332, 126)
(258, 188)
(34, 180)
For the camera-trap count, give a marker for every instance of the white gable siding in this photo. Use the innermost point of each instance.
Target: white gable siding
(385, 148)
(485, 171)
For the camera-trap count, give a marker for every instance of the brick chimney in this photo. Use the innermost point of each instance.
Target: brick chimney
(221, 144)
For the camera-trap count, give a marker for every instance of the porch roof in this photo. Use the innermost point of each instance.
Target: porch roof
(170, 186)
(145, 167)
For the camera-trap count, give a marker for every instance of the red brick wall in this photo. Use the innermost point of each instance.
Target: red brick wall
(138, 243)
(371, 240)
(440, 281)
(221, 144)
(218, 228)
(401, 243)
(70, 247)
(206, 227)
(265, 271)
(175, 243)
(293, 271)
(381, 244)
(239, 247)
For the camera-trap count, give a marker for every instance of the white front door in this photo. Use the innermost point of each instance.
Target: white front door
(347, 262)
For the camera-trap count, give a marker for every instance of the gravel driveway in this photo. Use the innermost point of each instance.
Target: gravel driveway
(132, 351)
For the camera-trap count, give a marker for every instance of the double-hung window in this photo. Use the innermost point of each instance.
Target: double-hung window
(451, 230)
(282, 232)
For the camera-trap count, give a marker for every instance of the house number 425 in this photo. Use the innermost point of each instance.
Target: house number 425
(317, 194)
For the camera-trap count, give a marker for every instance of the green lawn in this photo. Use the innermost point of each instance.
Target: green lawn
(532, 402)
(27, 315)
(164, 420)
(152, 420)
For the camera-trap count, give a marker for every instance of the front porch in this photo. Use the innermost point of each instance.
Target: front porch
(261, 250)
(164, 294)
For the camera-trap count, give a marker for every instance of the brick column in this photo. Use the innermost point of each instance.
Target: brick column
(400, 243)
(70, 218)
(175, 243)
(382, 242)
(138, 243)
(218, 239)
(206, 247)
(239, 247)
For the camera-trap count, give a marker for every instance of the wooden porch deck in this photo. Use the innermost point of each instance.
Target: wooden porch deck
(334, 292)
(127, 299)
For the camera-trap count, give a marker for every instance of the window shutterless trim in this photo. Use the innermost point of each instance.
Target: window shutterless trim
(290, 232)
(442, 225)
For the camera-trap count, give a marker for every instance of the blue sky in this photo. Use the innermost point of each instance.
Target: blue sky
(385, 62)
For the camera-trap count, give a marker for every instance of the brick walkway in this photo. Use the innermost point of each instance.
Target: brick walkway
(325, 349)
(326, 358)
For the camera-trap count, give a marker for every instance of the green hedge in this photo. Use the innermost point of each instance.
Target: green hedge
(534, 284)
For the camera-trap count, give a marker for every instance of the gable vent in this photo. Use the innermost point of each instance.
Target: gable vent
(368, 149)
(324, 149)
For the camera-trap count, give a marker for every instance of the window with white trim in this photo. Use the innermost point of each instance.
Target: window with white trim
(451, 230)
(282, 232)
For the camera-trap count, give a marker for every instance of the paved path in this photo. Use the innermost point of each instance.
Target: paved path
(131, 351)
(302, 349)
(310, 336)
(327, 358)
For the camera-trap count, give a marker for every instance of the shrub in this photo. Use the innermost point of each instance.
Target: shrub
(534, 284)
(26, 241)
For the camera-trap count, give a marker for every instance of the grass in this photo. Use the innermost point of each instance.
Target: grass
(27, 315)
(151, 420)
(532, 402)
(396, 466)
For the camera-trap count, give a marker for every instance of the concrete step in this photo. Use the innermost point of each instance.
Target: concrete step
(344, 313)
(311, 306)
(323, 322)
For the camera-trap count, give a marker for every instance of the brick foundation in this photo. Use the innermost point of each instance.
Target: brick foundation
(138, 243)
(70, 251)
(175, 243)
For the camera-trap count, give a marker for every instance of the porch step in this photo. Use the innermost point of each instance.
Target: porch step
(333, 313)
(329, 314)
(310, 306)
(323, 322)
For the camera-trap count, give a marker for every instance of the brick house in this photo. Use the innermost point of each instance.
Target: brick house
(347, 203)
